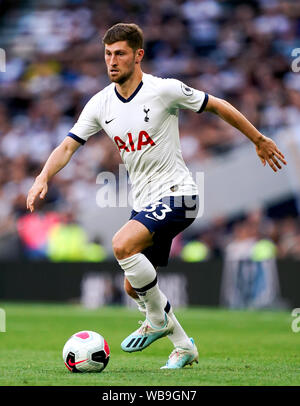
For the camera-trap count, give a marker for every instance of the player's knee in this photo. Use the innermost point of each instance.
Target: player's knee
(120, 248)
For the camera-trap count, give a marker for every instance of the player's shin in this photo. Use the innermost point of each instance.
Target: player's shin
(178, 338)
(134, 296)
(142, 276)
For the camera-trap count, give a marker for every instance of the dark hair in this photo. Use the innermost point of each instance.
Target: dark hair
(131, 33)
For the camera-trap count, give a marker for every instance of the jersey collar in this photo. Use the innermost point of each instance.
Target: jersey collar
(132, 96)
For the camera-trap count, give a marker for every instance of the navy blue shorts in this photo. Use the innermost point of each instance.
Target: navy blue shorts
(166, 218)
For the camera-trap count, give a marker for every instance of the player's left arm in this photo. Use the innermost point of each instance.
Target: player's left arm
(266, 148)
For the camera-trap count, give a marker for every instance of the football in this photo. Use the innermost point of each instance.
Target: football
(86, 351)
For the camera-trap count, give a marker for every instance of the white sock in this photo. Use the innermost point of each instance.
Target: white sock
(141, 275)
(155, 312)
(179, 337)
(141, 305)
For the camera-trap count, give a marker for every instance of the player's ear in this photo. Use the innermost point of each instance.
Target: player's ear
(139, 53)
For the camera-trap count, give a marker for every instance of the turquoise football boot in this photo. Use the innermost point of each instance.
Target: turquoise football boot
(180, 357)
(146, 335)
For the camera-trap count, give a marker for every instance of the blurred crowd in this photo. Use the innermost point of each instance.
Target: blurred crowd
(240, 51)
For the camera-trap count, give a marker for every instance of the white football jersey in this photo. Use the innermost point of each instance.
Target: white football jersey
(144, 128)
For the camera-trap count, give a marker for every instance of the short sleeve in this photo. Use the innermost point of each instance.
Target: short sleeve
(88, 122)
(176, 94)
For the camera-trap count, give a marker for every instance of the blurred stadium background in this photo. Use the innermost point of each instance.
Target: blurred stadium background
(244, 251)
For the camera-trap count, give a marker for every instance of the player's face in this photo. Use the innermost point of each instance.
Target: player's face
(120, 61)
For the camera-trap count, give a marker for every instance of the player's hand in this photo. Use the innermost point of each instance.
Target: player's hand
(268, 152)
(39, 188)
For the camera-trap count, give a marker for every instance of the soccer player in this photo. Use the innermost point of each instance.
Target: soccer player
(139, 112)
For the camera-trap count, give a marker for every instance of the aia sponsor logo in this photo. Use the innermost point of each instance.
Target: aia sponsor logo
(129, 146)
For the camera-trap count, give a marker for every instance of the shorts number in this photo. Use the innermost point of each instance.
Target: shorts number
(153, 207)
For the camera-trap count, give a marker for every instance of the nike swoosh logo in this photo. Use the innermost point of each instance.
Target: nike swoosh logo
(72, 364)
(109, 121)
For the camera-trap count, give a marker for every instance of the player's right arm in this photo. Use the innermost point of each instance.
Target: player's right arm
(87, 125)
(58, 159)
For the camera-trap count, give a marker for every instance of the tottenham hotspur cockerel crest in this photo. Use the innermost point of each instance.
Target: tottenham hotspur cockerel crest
(146, 111)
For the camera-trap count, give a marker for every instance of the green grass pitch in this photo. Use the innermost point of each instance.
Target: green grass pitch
(235, 347)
